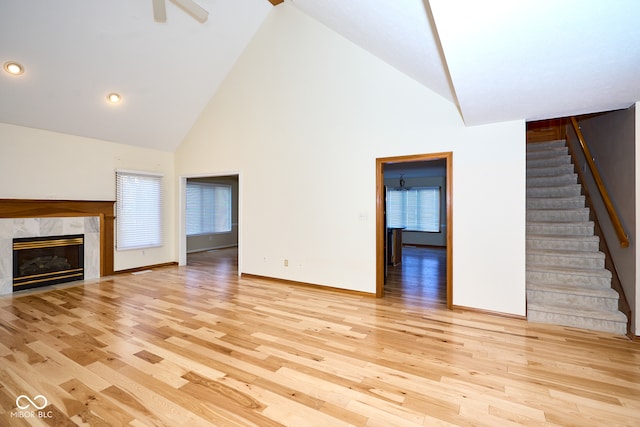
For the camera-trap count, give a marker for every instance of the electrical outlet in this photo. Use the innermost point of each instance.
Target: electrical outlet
(286, 263)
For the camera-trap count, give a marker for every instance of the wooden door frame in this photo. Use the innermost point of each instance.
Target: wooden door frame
(182, 214)
(380, 235)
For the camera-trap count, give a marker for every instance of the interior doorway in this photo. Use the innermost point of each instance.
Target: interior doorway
(209, 219)
(389, 163)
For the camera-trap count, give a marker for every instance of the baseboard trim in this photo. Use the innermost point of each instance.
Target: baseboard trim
(488, 312)
(309, 285)
(215, 248)
(147, 267)
(423, 246)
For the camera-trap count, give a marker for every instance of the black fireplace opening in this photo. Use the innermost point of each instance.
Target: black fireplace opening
(42, 261)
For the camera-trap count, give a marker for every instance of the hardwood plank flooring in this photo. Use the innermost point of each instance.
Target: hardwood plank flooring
(421, 276)
(200, 346)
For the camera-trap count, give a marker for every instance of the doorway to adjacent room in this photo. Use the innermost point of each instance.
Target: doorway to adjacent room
(427, 251)
(209, 224)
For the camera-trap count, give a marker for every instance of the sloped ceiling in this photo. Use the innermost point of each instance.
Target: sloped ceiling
(75, 52)
(537, 59)
(398, 32)
(497, 60)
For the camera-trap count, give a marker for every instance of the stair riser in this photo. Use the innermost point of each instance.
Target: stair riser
(547, 145)
(565, 261)
(567, 278)
(619, 328)
(560, 215)
(565, 191)
(556, 203)
(550, 171)
(550, 298)
(550, 181)
(565, 245)
(561, 229)
(544, 154)
(539, 162)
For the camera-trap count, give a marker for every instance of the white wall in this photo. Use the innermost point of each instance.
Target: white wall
(637, 236)
(38, 164)
(303, 116)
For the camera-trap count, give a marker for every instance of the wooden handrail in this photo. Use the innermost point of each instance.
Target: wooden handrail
(615, 219)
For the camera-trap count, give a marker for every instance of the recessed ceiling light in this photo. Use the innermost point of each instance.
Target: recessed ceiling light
(13, 68)
(114, 98)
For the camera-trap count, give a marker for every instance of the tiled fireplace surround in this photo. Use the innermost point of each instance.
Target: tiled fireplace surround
(11, 228)
(42, 218)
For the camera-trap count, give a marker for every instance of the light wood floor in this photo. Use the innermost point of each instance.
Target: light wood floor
(198, 346)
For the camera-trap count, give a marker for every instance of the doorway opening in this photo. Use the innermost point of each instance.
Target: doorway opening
(385, 237)
(210, 232)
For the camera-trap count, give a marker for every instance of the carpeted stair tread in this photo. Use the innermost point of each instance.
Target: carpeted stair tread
(549, 152)
(554, 170)
(563, 253)
(572, 202)
(555, 242)
(565, 224)
(560, 202)
(569, 190)
(577, 210)
(571, 228)
(587, 272)
(552, 180)
(553, 160)
(557, 215)
(570, 310)
(545, 145)
(589, 290)
(591, 238)
(568, 224)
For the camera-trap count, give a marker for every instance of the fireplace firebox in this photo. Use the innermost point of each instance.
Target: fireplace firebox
(42, 261)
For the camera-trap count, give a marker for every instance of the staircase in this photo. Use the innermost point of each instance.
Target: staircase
(567, 283)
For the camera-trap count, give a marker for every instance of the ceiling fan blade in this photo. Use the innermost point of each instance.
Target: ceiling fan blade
(159, 11)
(198, 13)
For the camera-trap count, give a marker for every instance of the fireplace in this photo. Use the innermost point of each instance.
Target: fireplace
(42, 261)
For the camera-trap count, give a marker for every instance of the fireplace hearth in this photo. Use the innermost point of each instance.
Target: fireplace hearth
(42, 261)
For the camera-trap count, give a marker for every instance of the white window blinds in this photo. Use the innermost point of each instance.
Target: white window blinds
(415, 209)
(138, 210)
(208, 208)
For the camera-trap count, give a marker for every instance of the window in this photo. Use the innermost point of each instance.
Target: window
(208, 208)
(415, 209)
(138, 210)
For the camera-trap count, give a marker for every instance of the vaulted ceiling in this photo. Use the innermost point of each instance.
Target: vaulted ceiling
(496, 60)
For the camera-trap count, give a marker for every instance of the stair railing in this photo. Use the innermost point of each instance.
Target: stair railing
(615, 219)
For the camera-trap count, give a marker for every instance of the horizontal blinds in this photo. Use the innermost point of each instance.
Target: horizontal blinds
(416, 209)
(208, 208)
(395, 209)
(139, 202)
